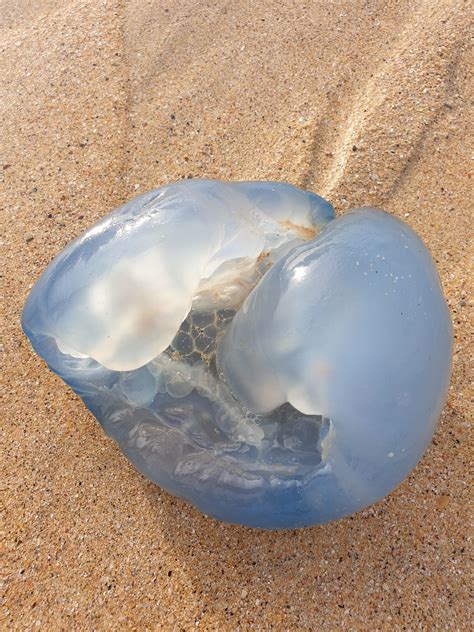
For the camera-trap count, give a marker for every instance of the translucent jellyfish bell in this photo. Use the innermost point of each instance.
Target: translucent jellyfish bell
(272, 365)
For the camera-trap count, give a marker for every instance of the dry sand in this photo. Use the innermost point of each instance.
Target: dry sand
(366, 103)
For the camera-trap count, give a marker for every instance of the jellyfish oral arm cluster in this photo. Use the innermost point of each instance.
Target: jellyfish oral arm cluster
(273, 365)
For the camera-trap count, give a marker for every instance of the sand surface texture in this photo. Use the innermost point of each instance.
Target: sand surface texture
(366, 103)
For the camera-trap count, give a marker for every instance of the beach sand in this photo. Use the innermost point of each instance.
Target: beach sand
(364, 102)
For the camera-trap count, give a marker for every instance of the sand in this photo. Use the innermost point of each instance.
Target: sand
(366, 103)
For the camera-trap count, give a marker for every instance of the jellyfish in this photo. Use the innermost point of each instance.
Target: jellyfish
(271, 364)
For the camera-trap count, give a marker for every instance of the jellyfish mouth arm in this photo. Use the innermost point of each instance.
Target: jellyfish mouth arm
(119, 293)
(353, 326)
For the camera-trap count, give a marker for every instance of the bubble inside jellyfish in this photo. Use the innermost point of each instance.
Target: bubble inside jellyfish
(249, 353)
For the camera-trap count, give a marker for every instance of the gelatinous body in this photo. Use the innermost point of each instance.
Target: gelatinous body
(273, 365)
